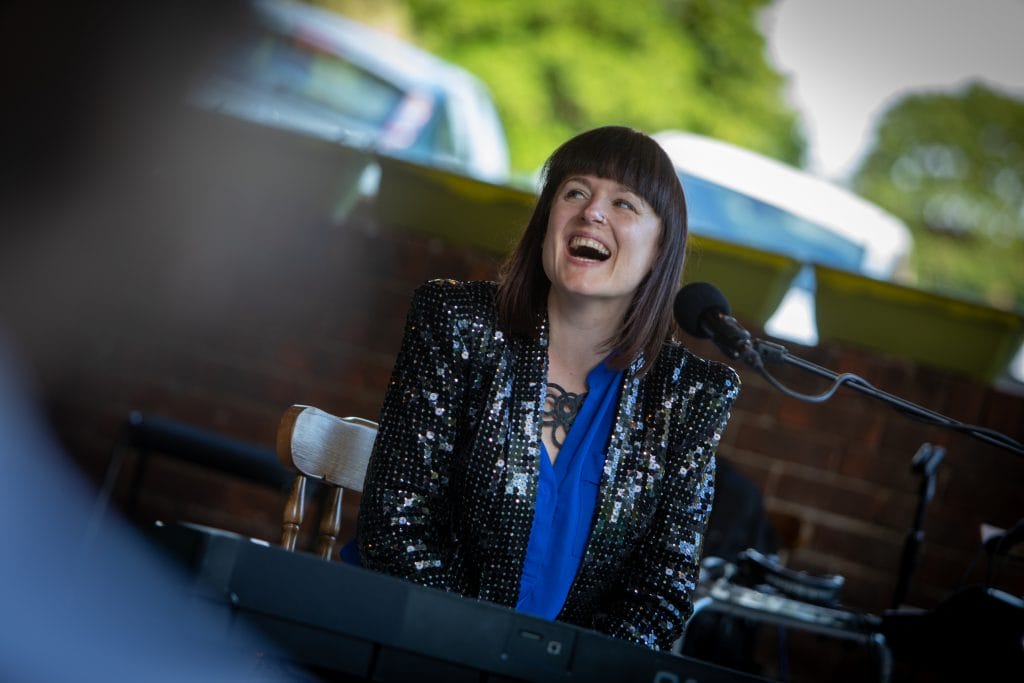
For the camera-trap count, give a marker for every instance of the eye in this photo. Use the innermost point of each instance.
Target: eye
(573, 193)
(626, 204)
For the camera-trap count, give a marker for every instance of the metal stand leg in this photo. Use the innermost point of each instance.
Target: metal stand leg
(925, 462)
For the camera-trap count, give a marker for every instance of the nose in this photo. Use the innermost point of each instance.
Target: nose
(593, 212)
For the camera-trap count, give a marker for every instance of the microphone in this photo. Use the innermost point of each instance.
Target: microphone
(702, 311)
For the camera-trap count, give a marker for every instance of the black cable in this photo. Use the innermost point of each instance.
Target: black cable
(820, 398)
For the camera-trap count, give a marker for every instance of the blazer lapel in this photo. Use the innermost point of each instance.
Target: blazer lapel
(616, 517)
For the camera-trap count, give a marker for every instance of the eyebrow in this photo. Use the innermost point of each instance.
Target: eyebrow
(583, 180)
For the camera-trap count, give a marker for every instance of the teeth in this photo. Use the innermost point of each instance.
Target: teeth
(585, 247)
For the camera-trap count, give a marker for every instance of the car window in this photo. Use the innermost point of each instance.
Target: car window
(297, 69)
(441, 137)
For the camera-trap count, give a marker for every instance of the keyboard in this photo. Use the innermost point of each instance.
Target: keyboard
(333, 621)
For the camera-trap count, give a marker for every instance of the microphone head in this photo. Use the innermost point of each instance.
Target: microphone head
(693, 301)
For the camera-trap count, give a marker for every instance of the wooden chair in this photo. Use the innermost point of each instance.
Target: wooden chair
(333, 450)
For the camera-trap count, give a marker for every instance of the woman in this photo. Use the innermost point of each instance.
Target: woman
(544, 444)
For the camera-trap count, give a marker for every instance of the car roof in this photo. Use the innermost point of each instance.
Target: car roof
(884, 237)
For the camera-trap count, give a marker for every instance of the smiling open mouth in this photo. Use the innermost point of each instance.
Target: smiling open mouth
(589, 249)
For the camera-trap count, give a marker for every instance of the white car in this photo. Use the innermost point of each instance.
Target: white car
(306, 69)
(740, 196)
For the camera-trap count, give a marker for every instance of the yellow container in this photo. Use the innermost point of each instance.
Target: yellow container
(957, 335)
(456, 208)
(752, 280)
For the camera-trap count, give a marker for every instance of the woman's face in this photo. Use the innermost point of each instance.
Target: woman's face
(602, 239)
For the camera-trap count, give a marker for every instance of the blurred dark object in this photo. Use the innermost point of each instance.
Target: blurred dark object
(80, 76)
(738, 519)
(143, 436)
(104, 609)
(738, 522)
(975, 635)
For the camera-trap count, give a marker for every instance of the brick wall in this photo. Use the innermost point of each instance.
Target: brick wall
(224, 333)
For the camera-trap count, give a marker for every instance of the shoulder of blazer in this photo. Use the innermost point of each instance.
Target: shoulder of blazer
(693, 368)
(462, 316)
(461, 298)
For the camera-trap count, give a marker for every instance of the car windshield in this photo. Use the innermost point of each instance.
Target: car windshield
(720, 212)
(299, 71)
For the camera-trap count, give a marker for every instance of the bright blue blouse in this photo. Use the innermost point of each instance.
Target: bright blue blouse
(566, 498)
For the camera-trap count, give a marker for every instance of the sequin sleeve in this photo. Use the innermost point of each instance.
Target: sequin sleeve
(404, 516)
(655, 599)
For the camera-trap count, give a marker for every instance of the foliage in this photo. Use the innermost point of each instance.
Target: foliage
(558, 67)
(952, 167)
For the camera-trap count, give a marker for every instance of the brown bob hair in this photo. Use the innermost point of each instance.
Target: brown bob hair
(635, 160)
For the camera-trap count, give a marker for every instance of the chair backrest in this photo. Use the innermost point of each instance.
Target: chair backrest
(330, 449)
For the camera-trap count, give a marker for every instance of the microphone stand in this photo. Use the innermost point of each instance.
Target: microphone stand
(759, 352)
(952, 624)
(926, 462)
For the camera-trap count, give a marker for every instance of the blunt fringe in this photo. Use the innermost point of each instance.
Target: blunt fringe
(635, 160)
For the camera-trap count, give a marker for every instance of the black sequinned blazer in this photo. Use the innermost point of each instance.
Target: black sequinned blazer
(449, 495)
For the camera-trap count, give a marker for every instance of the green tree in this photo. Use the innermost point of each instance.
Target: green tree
(952, 167)
(558, 67)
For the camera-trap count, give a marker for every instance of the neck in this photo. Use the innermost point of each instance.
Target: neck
(578, 331)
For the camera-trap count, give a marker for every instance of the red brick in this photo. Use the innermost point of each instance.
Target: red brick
(817, 449)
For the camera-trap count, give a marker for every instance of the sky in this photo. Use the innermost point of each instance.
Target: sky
(848, 60)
